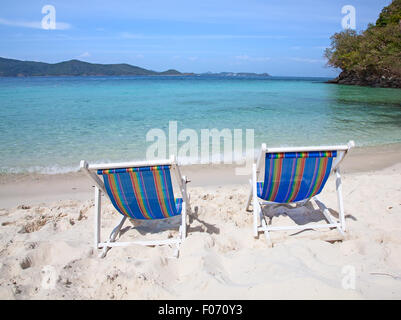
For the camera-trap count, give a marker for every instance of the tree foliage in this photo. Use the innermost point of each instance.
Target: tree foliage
(377, 50)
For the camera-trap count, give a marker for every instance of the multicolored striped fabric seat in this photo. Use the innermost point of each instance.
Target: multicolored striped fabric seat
(143, 192)
(295, 176)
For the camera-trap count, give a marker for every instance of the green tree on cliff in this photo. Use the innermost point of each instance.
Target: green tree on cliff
(375, 51)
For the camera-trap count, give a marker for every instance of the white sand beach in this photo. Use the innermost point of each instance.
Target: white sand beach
(46, 241)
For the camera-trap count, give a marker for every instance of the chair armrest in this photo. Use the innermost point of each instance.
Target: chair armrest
(185, 179)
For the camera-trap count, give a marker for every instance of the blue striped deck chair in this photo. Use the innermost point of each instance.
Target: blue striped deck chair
(295, 175)
(139, 191)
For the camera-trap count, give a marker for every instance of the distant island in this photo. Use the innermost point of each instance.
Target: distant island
(18, 68)
(234, 74)
(372, 57)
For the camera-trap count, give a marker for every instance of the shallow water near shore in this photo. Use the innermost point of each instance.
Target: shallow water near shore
(49, 124)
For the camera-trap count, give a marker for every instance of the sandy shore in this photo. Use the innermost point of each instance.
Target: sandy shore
(19, 189)
(46, 239)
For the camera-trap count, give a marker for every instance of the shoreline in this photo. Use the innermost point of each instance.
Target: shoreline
(22, 189)
(360, 84)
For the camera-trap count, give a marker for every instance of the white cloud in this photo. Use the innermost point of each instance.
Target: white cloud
(252, 59)
(307, 60)
(242, 57)
(84, 55)
(32, 24)
(127, 35)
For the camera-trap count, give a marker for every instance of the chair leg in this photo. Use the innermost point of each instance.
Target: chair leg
(188, 202)
(266, 232)
(248, 203)
(97, 222)
(184, 221)
(185, 194)
(177, 246)
(182, 232)
(257, 218)
(255, 222)
(263, 223)
(340, 199)
(326, 213)
(256, 206)
(113, 236)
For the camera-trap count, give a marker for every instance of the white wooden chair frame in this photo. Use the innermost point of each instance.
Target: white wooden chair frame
(259, 222)
(182, 181)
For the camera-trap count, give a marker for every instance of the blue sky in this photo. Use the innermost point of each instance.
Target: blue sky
(283, 38)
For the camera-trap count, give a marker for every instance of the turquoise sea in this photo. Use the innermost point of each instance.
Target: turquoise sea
(49, 124)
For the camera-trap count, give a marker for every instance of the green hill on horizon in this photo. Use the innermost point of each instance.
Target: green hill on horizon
(18, 68)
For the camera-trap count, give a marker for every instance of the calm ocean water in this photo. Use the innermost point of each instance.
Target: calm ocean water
(49, 124)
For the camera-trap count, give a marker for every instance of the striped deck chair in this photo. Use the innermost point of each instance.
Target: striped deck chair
(139, 191)
(295, 175)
